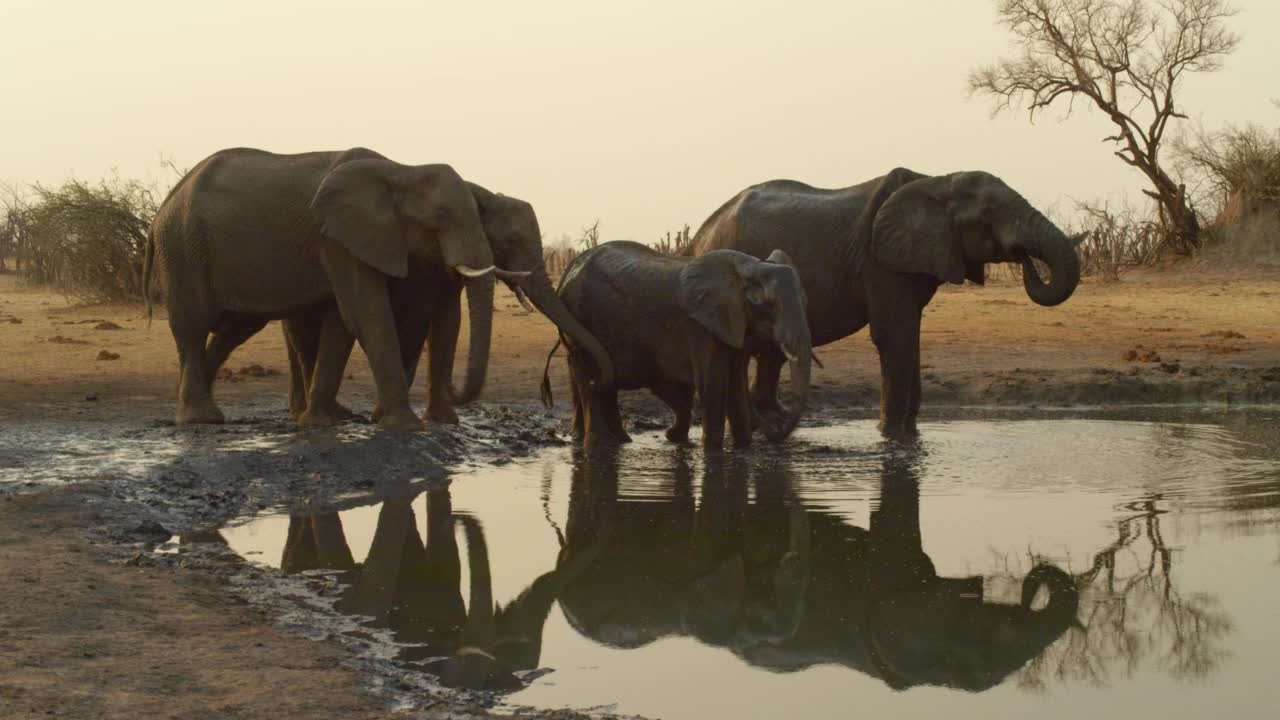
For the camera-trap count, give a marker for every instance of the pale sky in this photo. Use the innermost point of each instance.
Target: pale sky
(645, 115)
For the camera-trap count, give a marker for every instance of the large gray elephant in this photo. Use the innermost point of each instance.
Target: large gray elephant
(875, 253)
(429, 307)
(249, 236)
(676, 324)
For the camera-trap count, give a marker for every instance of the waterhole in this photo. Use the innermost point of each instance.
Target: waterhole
(1045, 567)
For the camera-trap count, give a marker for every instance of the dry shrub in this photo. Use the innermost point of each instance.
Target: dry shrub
(88, 240)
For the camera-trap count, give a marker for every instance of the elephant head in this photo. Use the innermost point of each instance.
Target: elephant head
(383, 213)
(742, 300)
(950, 226)
(512, 228)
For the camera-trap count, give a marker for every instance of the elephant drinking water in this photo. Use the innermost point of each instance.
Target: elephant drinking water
(875, 254)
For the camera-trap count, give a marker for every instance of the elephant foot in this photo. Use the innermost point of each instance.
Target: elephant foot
(314, 418)
(446, 415)
(678, 433)
(344, 413)
(200, 413)
(899, 431)
(401, 422)
(598, 440)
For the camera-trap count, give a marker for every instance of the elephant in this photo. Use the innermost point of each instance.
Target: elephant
(876, 253)
(675, 324)
(248, 236)
(781, 586)
(432, 313)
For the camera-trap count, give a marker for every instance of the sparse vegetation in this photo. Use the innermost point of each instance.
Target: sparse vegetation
(1239, 169)
(86, 239)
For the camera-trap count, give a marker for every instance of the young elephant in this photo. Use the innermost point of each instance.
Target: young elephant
(676, 324)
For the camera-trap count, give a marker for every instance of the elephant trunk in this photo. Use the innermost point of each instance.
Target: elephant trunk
(480, 305)
(1044, 241)
(1063, 597)
(544, 297)
(798, 347)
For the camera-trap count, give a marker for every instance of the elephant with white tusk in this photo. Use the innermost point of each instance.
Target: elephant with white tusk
(428, 304)
(874, 254)
(249, 236)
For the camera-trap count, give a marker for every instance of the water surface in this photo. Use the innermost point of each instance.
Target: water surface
(1047, 567)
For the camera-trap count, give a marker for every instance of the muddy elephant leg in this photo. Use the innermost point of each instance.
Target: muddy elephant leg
(304, 335)
(232, 332)
(913, 403)
(327, 363)
(579, 410)
(299, 378)
(365, 307)
(601, 418)
(713, 389)
(441, 347)
(195, 397)
(899, 348)
(738, 404)
(678, 397)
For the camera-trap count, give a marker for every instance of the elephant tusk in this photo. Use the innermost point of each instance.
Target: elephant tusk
(511, 275)
(523, 299)
(470, 272)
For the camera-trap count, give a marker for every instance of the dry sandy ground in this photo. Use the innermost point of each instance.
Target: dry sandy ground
(84, 638)
(1216, 334)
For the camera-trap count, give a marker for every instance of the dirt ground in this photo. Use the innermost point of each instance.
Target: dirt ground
(1188, 335)
(86, 635)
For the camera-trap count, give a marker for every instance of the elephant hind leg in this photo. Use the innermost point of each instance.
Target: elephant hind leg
(601, 418)
(576, 391)
(195, 397)
(678, 397)
(232, 331)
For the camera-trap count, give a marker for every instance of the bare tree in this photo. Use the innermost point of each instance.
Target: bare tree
(590, 236)
(1125, 57)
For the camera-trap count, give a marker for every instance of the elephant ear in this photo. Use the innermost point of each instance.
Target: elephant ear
(355, 206)
(913, 232)
(711, 292)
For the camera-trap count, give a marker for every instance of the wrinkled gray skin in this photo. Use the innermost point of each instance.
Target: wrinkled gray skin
(782, 586)
(675, 324)
(249, 236)
(876, 253)
(428, 305)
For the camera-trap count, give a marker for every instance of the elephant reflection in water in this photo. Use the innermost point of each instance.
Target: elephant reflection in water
(779, 585)
(413, 587)
(785, 587)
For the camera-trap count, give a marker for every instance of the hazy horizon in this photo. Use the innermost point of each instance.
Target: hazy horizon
(645, 117)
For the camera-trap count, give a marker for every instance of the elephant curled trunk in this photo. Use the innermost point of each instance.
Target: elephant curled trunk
(1044, 241)
(480, 309)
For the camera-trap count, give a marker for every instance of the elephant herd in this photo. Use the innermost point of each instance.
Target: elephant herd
(349, 246)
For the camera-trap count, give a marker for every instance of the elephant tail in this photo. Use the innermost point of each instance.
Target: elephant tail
(148, 262)
(547, 400)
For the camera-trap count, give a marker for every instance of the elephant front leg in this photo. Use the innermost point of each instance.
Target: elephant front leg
(678, 397)
(899, 349)
(441, 347)
(738, 402)
(713, 389)
(366, 312)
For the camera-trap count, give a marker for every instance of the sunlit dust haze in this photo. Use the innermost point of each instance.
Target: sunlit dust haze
(643, 115)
